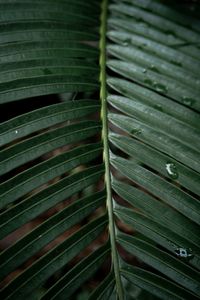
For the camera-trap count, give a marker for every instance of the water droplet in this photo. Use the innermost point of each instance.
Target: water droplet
(184, 253)
(16, 131)
(144, 70)
(188, 101)
(136, 131)
(171, 170)
(159, 87)
(126, 42)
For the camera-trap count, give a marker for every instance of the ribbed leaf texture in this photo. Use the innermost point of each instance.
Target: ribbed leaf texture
(99, 194)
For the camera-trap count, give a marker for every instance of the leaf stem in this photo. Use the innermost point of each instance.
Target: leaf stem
(104, 109)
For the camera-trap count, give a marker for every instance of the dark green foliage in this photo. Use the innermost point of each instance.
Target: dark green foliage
(52, 174)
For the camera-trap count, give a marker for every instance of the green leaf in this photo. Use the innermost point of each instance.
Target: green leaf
(143, 29)
(34, 147)
(156, 285)
(84, 270)
(28, 50)
(157, 82)
(171, 219)
(156, 119)
(99, 149)
(42, 269)
(40, 202)
(43, 118)
(160, 234)
(157, 161)
(169, 193)
(171, 267)
(48, 231)
(153, 99)
(168, 54)
(150, 63)
(30, 179)
(159, 140)
(104, 290)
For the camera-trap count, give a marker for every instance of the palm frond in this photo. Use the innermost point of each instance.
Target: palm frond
(140, 204)
(155, 103)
